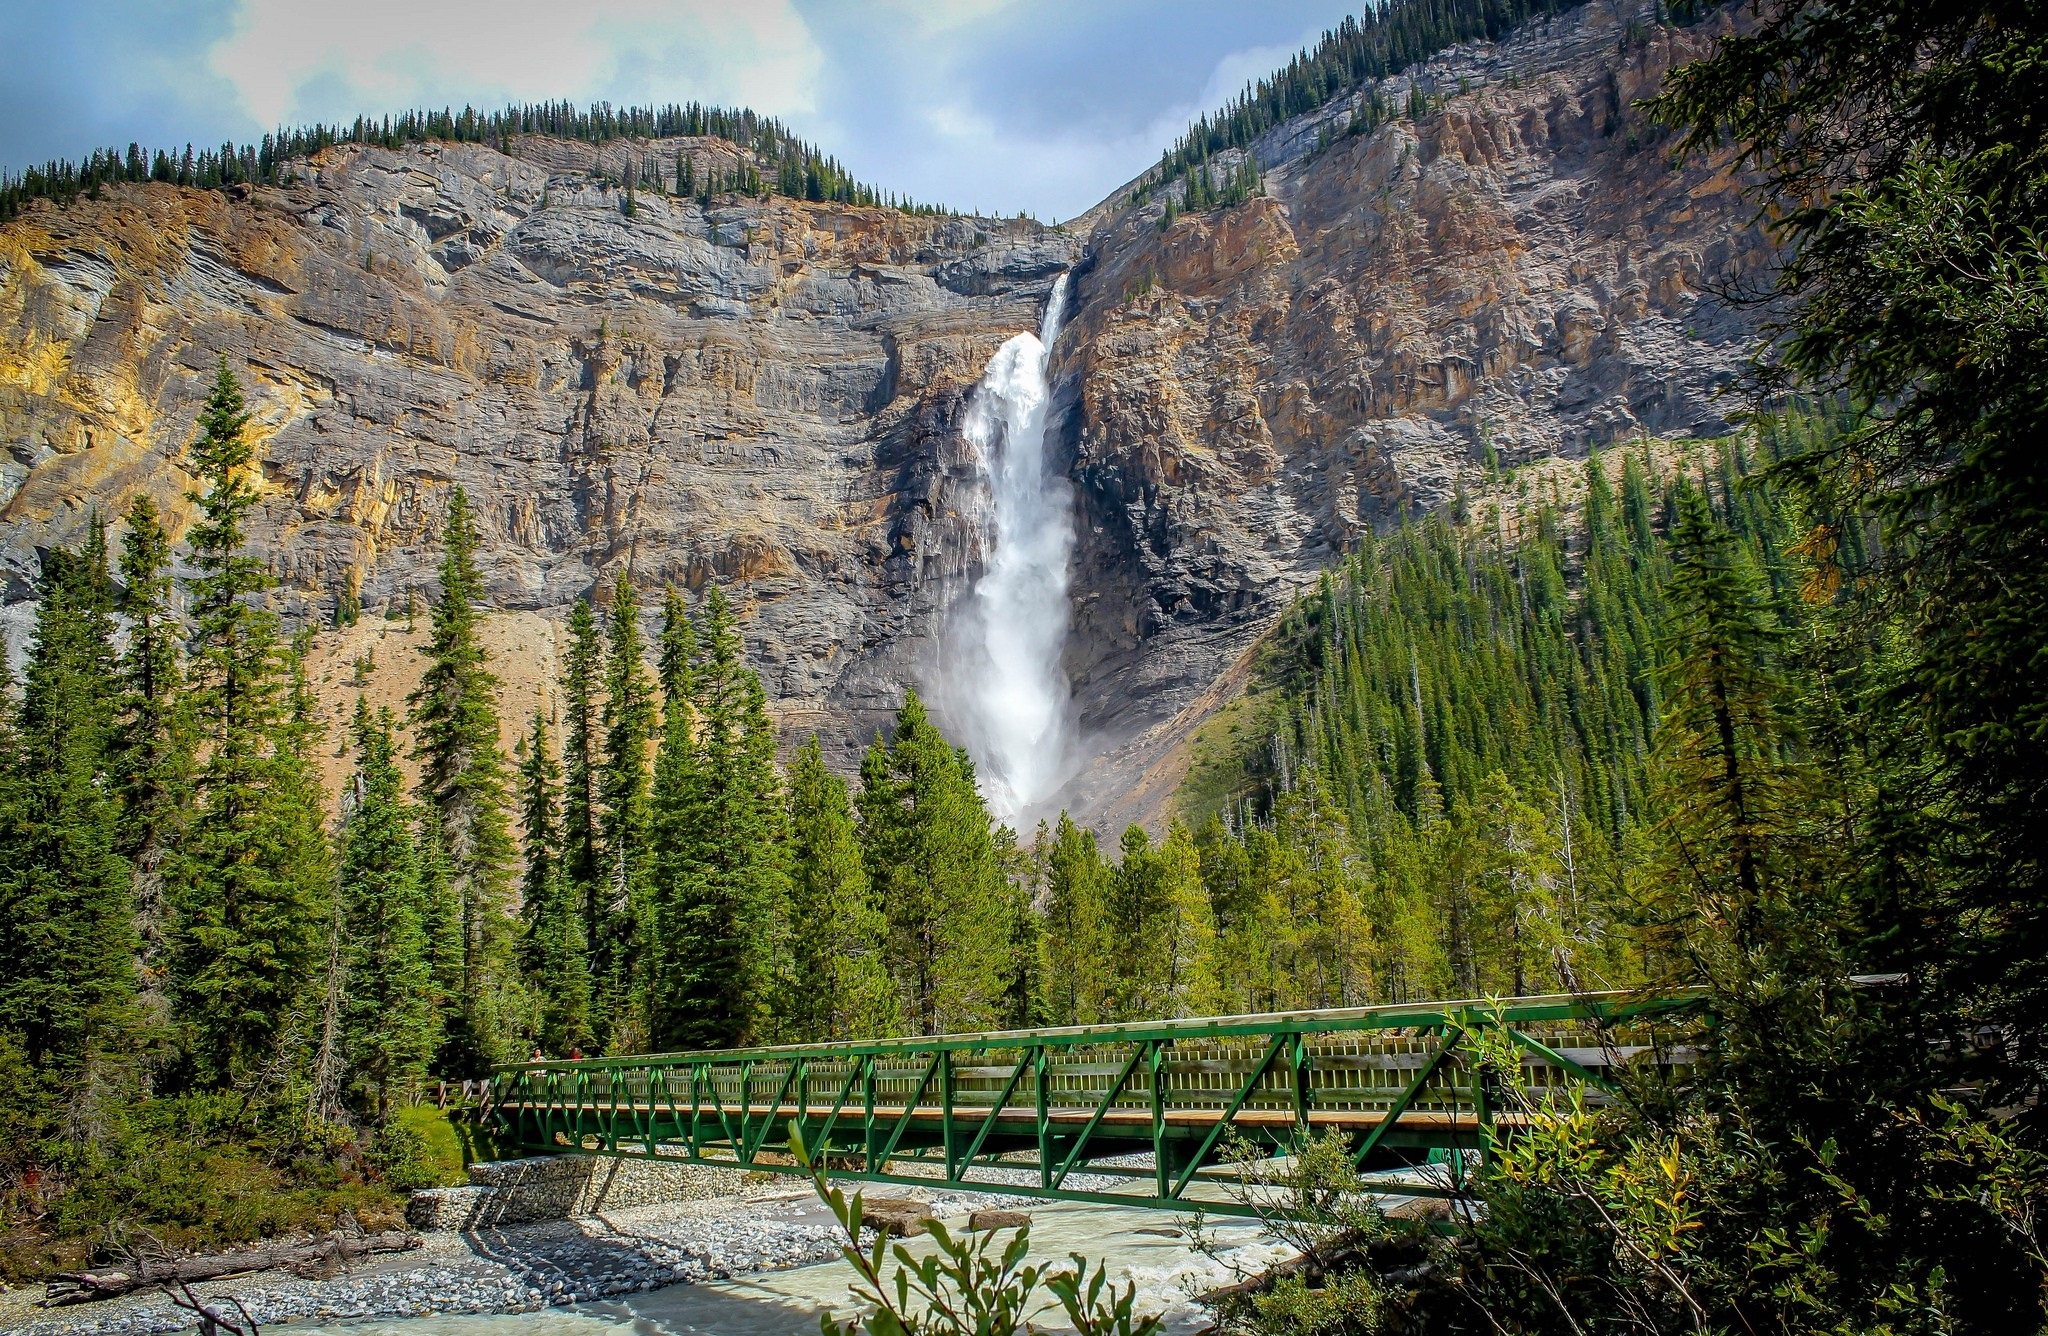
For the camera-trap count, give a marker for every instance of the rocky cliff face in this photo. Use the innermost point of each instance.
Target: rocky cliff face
(1522, 273)
(769, 392)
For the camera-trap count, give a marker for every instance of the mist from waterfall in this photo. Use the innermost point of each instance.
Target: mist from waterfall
(1004, 673)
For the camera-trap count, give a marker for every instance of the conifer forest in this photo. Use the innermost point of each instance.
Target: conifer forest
(1755, 716)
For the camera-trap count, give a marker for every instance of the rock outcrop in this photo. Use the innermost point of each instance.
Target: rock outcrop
(768, 392)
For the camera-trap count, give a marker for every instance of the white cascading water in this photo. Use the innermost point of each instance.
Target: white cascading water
(1004, 673)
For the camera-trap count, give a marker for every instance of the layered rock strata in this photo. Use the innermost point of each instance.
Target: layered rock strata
(769, 392)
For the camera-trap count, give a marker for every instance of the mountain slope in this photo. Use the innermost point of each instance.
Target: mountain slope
(770, 390)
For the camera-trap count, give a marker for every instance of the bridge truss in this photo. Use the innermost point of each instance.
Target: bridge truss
(1136, 1115)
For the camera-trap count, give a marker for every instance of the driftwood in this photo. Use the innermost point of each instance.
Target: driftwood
(323, 1255)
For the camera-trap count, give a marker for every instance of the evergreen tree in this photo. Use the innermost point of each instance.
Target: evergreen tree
(929, 849)
(625, 825)
(1076, 885)
(723, 885)
(1726, 731)
(153, 739)
(444, 918)
(556, 960)
(581, 809)
(462, 777)
(836, 984)
(247, 895)
(67, 974)
(392, 1026)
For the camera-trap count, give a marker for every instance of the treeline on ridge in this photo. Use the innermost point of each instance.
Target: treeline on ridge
(1384, 40)
(781, 163)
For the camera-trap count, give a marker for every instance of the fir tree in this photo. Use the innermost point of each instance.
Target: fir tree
(926, 838)
(581, 809)
(556, 960)
(462, 777)
(624, 827)
(152, 741)
(1725, 726)
(248, 896)
(392, 1026)
(67, 975)
(722, 882)
(836, 985)
(1076, 883)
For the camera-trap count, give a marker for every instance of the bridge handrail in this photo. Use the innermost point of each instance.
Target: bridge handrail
(1600, 1007)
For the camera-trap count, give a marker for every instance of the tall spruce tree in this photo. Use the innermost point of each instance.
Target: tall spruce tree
(392, 1026)
(723, 881)
(836, 983)
(1076, 880)
(67, 969)
(153, 751)
(627, 851)
(248, 896)
(1726, 729)
(582, 811)
(553, 953)
(926, 838)
(462, 777)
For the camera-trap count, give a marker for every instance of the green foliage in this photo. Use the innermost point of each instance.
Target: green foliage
(1910, 201)
(965, 1287)
(836, 984)
(392, 1026)
(581, 766)
(462, 779)
(723, 880)
(625, 835)
(248, 887)
(200, 1171)
(552, 951)
(934, 864)
(67, 943)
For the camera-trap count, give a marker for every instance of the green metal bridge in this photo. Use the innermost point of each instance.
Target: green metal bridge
(1050, 1113)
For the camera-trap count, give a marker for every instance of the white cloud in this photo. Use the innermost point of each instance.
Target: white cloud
(299, 60)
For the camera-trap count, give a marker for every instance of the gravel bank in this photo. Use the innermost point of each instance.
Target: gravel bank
(524, 1268)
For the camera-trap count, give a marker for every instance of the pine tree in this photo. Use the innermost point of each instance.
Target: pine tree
(249, 899)
(836, 985)
(1076, 883)
(67, 975)
(1725, 730)
(624, 827)
(581, 809)
(392, 1026)
(462, 777)
(926, 838)
(152, 741)
(722, 882)
(556, 960)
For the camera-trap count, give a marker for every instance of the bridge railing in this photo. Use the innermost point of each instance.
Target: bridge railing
(1033, 1111)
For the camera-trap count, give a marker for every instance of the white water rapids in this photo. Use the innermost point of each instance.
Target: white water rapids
(1003, 676)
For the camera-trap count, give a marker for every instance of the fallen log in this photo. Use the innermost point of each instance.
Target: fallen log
(321, 1256)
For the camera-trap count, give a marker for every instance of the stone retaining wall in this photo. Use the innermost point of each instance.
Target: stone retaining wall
(553, 1187)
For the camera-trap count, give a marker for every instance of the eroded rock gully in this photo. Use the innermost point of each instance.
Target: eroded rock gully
(769, 392)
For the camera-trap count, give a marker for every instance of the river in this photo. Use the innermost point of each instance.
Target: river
(1141, 1246)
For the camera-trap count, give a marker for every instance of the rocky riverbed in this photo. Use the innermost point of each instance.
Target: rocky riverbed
(614, 1259)
(516, 1268)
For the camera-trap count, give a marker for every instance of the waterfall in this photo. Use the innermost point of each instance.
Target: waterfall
(1003, 675)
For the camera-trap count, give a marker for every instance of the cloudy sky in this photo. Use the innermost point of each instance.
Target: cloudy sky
(991, 105)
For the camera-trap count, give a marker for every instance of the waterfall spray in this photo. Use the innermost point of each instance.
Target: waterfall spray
(1004, 672)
